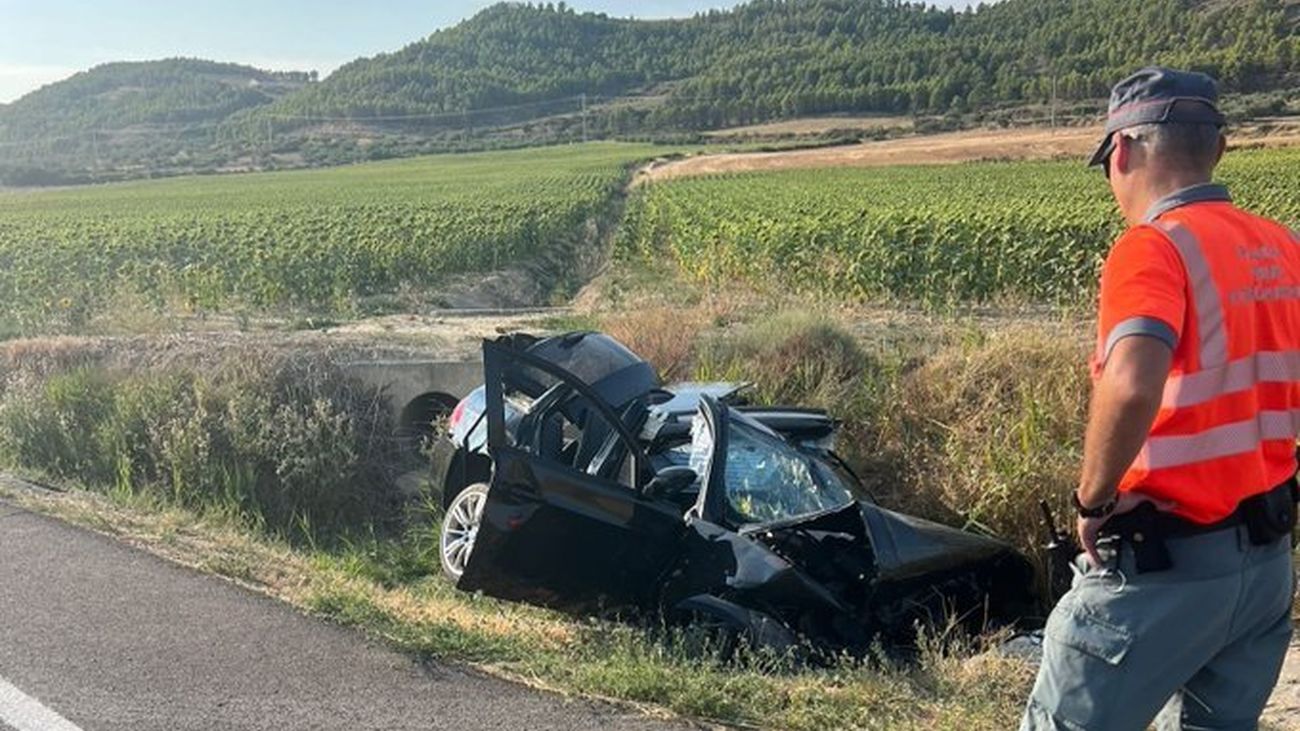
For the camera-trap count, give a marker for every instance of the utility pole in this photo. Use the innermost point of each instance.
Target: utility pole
(94, 148)
(1053, 103)
(584, 117)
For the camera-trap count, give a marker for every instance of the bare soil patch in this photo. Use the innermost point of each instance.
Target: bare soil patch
(814, 125)
(1014, 144)
(1029, 143)
(1283, 710)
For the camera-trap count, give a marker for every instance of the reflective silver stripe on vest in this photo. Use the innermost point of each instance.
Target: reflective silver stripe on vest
(1210, 325)
(1243, 374)
(1241, 437)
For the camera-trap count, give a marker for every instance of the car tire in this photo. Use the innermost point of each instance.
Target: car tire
(716, 629)
(460, 529)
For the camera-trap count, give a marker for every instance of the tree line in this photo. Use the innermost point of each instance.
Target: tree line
(529, 67)
(782, 58)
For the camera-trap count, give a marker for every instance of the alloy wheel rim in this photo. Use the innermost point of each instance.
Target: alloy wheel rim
(460, 530)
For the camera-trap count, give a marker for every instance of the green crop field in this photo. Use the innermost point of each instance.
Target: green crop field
(322, 241)
(316, 239)
(1031, 232)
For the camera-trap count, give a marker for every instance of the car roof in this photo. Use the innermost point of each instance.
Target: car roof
(613, 371)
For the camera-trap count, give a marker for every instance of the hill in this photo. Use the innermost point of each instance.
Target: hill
(780, 58)
(120, 113)
(518, 74)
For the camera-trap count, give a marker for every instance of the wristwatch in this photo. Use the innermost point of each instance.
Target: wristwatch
(1101, 511)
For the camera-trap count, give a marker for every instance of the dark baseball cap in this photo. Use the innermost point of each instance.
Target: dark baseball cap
(1156, 95)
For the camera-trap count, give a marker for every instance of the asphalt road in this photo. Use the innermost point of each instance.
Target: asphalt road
(98, 636)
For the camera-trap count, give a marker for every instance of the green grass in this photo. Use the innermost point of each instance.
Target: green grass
(390, 589)
(319, 240)
(263, 470)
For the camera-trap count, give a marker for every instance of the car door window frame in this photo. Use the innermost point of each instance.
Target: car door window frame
(714, 502)
(496, 361)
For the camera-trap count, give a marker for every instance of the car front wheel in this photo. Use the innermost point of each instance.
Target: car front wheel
(460, 529)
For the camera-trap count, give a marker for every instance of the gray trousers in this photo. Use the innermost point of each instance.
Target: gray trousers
(1121, 644)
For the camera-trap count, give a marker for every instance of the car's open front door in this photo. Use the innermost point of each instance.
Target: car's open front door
(565, 523)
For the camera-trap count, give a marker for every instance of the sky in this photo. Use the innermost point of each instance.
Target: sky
(42, 41)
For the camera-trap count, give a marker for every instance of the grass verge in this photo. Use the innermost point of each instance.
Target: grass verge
(388, 590)
(964, 421)
(269, 471)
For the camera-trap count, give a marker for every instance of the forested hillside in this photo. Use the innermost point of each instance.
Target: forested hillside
(774, 58)
(523, 73)
(150, 109)
(121, 94)
(780, 58)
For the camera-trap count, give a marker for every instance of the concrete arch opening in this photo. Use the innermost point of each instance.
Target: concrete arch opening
(423, 419)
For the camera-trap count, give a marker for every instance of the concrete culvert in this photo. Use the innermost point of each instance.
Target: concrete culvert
(422, 420)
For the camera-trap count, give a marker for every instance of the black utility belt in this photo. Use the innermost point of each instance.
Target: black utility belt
(1268, 517)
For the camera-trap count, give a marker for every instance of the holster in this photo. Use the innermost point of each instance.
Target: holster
(1143, 530)
(1268, 517)
(1271, 516)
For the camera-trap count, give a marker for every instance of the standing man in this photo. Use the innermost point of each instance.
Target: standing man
(1187, 499)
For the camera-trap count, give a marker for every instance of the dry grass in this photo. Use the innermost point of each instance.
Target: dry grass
(988, 428)
(971, 423)
(794, 358)
(947, 689)
(666, 335)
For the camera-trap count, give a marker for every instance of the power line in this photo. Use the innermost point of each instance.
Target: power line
(582, 102)
(430, 116)
(102, 133)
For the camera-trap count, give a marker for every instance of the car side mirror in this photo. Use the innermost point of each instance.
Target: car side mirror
(671, 482)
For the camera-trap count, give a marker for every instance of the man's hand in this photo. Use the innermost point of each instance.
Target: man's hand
(1090, 528)
(1124, 405)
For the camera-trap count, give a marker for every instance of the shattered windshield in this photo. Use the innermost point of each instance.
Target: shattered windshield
(767, 480)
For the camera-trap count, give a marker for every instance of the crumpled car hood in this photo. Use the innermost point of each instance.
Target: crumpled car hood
(907, 547)
(890, 570)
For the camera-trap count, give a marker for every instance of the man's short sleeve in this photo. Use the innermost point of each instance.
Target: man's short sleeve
(1143, 292)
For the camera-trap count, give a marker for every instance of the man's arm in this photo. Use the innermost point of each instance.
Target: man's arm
(1125, 402)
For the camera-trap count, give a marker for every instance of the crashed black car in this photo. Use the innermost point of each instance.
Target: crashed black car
(583, 484)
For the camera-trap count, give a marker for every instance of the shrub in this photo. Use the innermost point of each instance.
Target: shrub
(799, 358)
(49, 424)
(287, 441)
(987, 429)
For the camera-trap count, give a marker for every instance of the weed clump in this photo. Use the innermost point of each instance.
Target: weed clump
(991, 427)
(288, 442)
(797, 358)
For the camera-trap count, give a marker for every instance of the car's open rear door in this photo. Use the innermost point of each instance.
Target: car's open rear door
(565, 524)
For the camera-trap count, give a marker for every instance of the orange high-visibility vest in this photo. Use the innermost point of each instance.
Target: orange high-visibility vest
(1230, 414)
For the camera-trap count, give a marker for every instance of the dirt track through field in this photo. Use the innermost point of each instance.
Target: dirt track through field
(953, 147)
(1015, 144)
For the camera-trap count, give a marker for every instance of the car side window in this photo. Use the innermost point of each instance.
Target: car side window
(571, 433)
